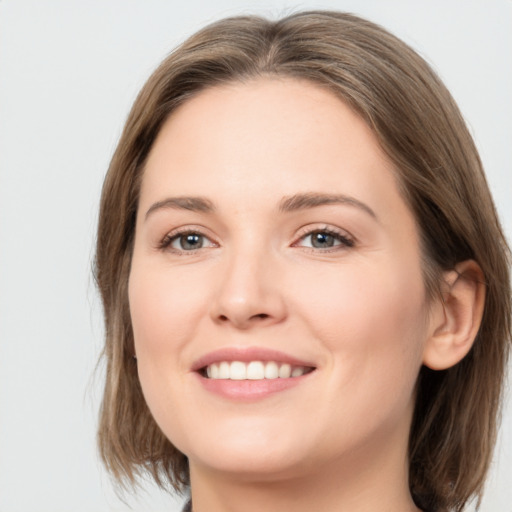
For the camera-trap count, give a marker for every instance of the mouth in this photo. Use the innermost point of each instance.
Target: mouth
(253, 370)
(250, 373)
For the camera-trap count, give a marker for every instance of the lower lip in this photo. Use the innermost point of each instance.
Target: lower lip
(246, 390)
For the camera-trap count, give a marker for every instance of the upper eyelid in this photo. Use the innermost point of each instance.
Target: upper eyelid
(200, 230)
(177, 234)
(311, 228)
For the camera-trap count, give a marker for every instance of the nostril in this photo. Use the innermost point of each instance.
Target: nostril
(259, 316)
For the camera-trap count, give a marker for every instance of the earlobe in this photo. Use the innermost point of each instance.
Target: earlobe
(457, 316)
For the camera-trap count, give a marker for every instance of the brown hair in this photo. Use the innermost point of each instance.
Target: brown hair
(421, 129)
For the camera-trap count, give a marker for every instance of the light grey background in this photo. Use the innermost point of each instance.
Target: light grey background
(69, 71)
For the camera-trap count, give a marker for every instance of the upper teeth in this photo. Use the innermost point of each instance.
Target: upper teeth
(254, 370)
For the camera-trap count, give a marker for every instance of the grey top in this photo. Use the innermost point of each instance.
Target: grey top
(187, 507)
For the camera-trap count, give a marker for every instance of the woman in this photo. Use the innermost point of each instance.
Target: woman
(304, 280)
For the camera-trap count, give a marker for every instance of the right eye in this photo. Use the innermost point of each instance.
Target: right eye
(187, 241)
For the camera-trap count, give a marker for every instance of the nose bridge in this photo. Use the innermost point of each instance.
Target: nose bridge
(248, 292)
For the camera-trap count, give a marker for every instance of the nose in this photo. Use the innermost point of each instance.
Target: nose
(249, 292)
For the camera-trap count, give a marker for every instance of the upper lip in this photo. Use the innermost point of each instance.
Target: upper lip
(246, 355)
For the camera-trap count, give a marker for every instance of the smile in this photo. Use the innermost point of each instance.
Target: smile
(251, 373)
(253, 370)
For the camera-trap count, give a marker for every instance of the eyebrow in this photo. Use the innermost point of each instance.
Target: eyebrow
(195, 204)
(312, 200)
(287, 204)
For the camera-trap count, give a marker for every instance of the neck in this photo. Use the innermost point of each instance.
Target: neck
(377, 482)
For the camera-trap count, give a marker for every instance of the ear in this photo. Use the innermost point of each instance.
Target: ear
(456, 317)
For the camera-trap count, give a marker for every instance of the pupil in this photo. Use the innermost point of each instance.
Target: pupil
(191, 241)
(322, 240)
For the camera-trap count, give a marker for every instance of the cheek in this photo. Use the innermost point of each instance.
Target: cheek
(165, 308)
(164, 311)
(371, 319)
(372, 325)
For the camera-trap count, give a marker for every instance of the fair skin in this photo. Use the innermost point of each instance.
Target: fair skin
(270, 230)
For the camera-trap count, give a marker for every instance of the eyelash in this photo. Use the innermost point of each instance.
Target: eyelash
(344, 240)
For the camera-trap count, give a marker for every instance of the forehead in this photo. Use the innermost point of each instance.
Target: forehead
(269, 137)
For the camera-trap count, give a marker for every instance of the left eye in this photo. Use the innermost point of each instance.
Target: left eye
(322, 239)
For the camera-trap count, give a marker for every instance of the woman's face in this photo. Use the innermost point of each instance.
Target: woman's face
(276, 291)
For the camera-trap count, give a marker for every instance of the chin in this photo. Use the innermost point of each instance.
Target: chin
(252, 466)
(252, 453)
